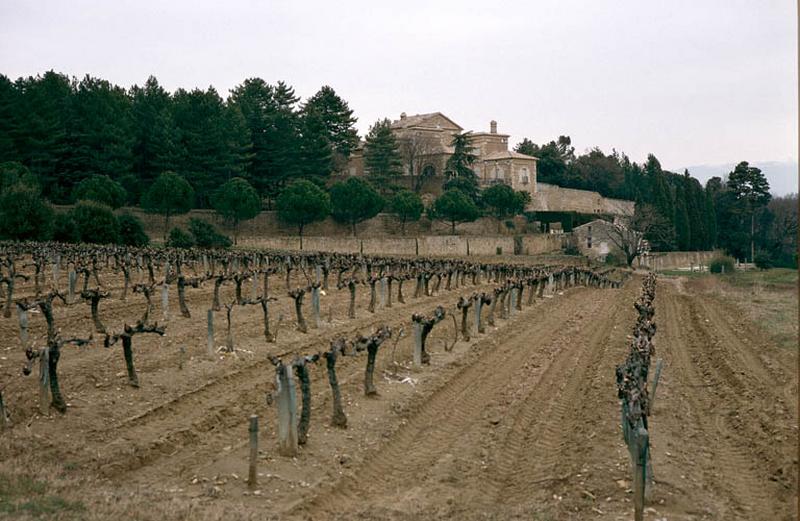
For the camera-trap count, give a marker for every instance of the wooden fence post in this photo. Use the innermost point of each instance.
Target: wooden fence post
(210, 319)
(23, 326)
(287, 412)
(252, 476)
(315, 316)
(640, 452)
(659, 365)
(72, 278)
(4, 422)
(44, 381)
(417, 344)
(165, 299)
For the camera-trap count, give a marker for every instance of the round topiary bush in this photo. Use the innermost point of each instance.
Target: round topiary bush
(131, 231)
(722, 264)
(96, 222)
(180, 239)
(206, 236)
(65, 229)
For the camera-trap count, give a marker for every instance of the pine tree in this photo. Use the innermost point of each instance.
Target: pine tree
(316, 154)
(9, 103)
(338, 120)
(254, 100)
(41, 136)
(214, 141)
(382, 155)
(98, 132)
(155, 136)
(459, 164)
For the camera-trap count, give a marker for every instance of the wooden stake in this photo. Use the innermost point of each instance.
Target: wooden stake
(210, 319)
(641, 446)
(44, 381)
(252, 477)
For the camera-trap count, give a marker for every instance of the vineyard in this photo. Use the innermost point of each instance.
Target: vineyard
(380, 387)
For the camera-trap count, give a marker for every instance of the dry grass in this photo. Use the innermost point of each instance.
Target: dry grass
(767, 298)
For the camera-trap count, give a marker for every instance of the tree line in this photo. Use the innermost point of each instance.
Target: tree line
(69, 133)
(65, 130)
(736, 213)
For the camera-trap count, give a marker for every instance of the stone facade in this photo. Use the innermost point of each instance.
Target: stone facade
(553, 198)
(425, 145)
(592, 239)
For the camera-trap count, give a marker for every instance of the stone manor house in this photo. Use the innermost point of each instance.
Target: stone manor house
(425, 145)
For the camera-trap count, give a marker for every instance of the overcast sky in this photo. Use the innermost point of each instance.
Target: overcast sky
(694, 82)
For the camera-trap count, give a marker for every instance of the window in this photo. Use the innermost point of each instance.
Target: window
(589, 237)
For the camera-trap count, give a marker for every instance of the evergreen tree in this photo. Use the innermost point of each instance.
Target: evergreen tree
(283, 146)
(24, 214)
(503, 202)
(354, 201)
(382, 155)
(711, 219)
(338, 121)
(99, 133)
(455, 207)
(751, 190)
(459, 164)
(407, 205)
(682, 229)
(156, 143)
(214, 141)
(41, 136)
(316, 152)
(237, 201)
(169, 195)
(302, 203)
(101, 189)
(255, 100)
(9, 103)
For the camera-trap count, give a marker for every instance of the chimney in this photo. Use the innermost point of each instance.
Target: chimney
(402, 115)
(493, 127)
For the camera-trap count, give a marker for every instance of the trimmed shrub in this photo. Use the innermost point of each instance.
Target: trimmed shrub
(96, 223)
(206, 236)
(24, 214)
(180, 239)
(723, 264)
(763, 260)
(65, 229)
(102, 189)
(131, 231)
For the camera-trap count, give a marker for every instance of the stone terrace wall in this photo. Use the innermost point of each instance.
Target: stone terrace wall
(673, 260)
(427, 245)
(266, 224)
(554, 198)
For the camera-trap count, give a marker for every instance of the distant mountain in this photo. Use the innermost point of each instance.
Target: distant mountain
(782, 175)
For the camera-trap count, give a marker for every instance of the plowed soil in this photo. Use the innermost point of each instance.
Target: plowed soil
(521, 422)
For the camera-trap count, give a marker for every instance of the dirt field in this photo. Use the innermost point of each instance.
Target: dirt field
(519, 423)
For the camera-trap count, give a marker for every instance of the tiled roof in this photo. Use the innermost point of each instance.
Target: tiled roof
(420, 120)
(506, 154)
